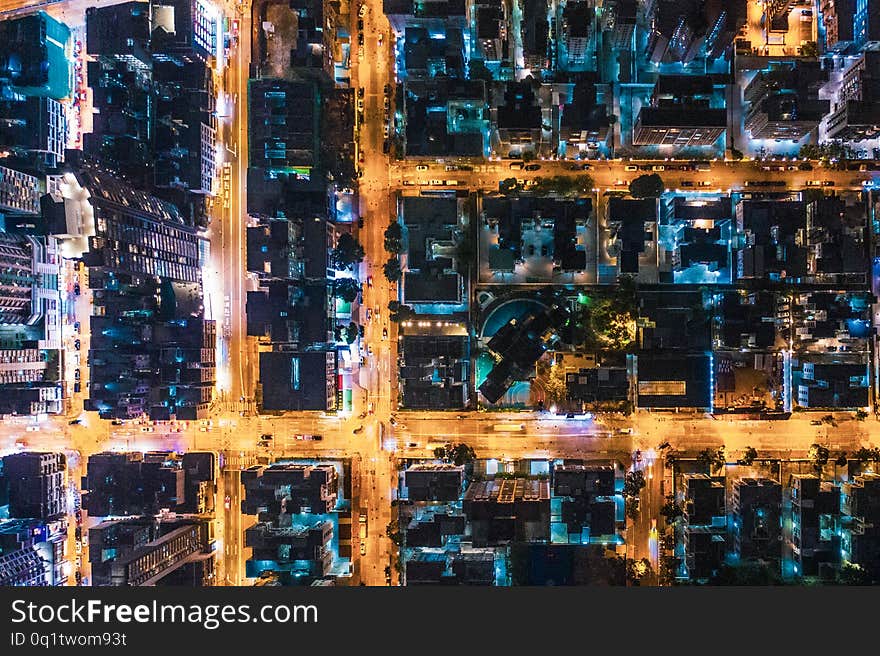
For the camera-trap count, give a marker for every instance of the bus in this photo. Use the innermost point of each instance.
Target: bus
(509, 428)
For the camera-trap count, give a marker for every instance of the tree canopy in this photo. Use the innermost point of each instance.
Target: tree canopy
(391, 269)
(346, 288)
(394, 238)
(347, 252)
(647, 186)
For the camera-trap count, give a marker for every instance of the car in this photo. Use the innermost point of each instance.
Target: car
(815, 422)
(358, 430)
(687, 183)
(379, 39)
(706, 183)
(412, 445)
(392, 420)
(360, 222)
(658, 167)
(451, 167)
(227, 502)
(362, 10)
(386, 147)
(74, 422)
(78, 547)
(360, 104)
(77, 388)
(422, 167)
(77, 374)
(827, 183)
(630, 168)
(117, 422)
(386, 130)
(77, 344)
(360, 92)
(32, 429)
(387, 103)
(625, 431)
(267, 436)
(317, 438)
(377, 312)
(814, 183)
(533, 167)
(360, 25)
(516, 166)
(76, 289)
(76, 326)
(363, 548)
(620, 183)
(361, 40)
(147, 429)
(544, 251)
(531, 249)
(369, 314)
(437, 183)
(384, 333)
(387, 89)
(369, 281)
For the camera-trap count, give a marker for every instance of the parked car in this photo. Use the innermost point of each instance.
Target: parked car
(76, 289)
(77, 344)
(77, 374)
(384, 333)
(533, 167)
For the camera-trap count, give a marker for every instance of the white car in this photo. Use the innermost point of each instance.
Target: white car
(386, 130)
(362, 10)
(363, 548)
(422, 167)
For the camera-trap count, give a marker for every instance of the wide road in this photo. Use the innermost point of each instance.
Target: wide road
(376, 400)
(612, 175)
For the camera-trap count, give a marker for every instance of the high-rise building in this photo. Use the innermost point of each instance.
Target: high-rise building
(812, 536)
(36, 485)
(32, 552)
(147, 552)
(757, 523)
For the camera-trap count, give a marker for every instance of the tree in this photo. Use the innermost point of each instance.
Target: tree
(399, 312)
(391, 269)
(736, 154)
(636, 570)
(810, 49)
(554, 383)
(509, 186)
(668, 570)
(647, 186)
(347, 252)
(867, 454)
(528, 156)
(458, 454)
(634, 483)
(712, 459)
(394, 238)
(393, 533)
(631, 506)
(749, 457)
(346, 288)
(818, 455)
(347, 334)
(477, 70)
(671, 511)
